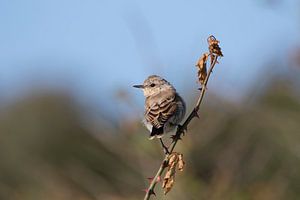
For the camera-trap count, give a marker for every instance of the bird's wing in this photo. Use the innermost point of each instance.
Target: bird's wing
(159, 112)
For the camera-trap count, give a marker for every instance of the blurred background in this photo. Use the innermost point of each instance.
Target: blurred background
(70, 121)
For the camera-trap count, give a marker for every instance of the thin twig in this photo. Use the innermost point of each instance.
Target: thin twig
(180, 131)
(166, 149)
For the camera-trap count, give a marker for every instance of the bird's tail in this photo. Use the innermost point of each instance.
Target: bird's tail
(156, 132)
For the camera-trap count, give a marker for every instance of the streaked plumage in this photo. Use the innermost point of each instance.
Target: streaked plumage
(164, 108)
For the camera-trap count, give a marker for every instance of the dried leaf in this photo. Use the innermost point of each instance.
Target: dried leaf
(202, 71)
(168, 182)
(181, 163)
(175, 159)
(214, 48)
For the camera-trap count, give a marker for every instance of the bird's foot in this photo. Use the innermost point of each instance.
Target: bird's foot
(177, 136)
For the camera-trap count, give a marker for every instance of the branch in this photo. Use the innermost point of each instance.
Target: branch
(194, 112)
(181, 129)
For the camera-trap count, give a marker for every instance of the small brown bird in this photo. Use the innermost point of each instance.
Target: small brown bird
(164, 108)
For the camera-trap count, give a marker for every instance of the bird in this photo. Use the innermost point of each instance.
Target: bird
(164, 107)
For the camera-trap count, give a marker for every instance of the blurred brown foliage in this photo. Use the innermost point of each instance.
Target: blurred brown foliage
(245, 151)
(175, 163)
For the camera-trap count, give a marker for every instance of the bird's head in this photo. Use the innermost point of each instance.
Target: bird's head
(153, 85)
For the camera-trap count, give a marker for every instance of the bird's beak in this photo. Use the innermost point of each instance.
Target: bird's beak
(138, 86)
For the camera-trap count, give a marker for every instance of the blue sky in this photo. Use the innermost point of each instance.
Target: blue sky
(90, 48)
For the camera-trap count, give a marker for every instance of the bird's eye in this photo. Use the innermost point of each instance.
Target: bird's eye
(152, 85)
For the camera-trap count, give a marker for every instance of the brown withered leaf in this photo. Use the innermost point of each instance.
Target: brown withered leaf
(175, 159)
(169, 178)
(181, 163)
(168, 181)
(202, 71)
(213, 46)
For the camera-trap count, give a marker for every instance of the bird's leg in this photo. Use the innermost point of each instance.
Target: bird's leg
(165, 148)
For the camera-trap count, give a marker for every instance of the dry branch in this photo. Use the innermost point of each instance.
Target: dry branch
(214, 53)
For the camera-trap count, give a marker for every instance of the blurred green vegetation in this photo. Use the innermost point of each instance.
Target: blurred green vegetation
(242, 151)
